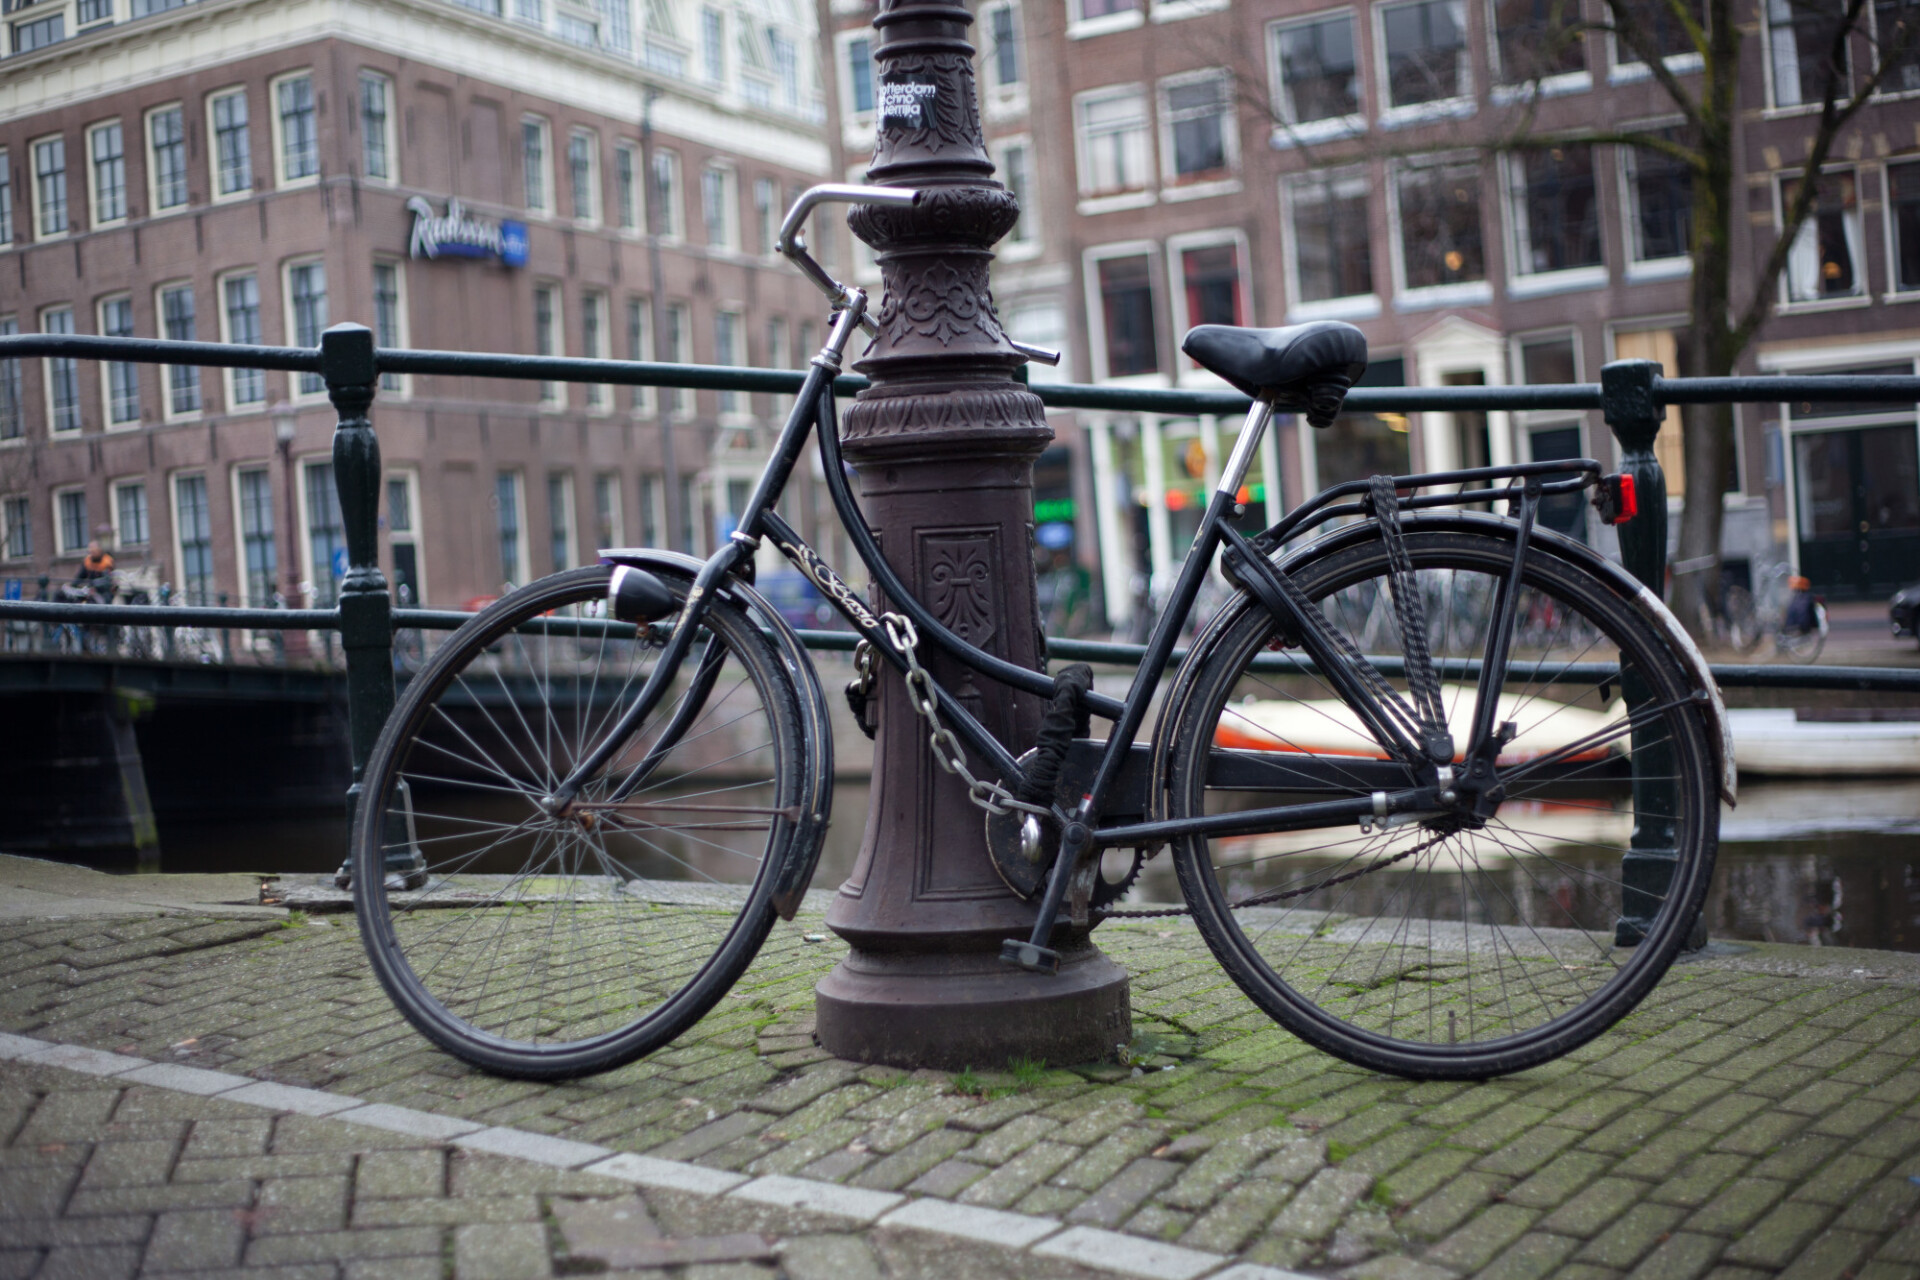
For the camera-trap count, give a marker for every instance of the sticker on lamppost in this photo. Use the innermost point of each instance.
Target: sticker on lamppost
(908, 102)
(459, 234)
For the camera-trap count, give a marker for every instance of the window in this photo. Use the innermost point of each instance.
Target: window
(726, 351)
(1125, 323)
(1903, 218)
(1651, 23)
(1426, 52)
(675, 341)
(1042, 323)
(122, 379)
(1113, 141)
(1556, 212)
(70, 522)
(665, 195)
(1331, 237)
(593, 344)
(1896, 38)
(1086, 10)
(607, 524)
(403, 537)
(1316, 77)
(108, 170)
(130, 514)
(91, 11)
(533, 162)
(691, 510)
(299, 143)
(1439, 208)
(1015, 162)
(16, 515)
(6, 198)
(50, 187)
(560, 519)
(39, 33)
(619, 29)
(176, 324)
(1536, 39)
(232, 144)
(376, 127)
(652, 491)
(389, 317)
(193, 528)
(626, 195)
(719, 207)
(713, 45)
(62, 374)
(13, 424)
(766, 213)
(326, 534)
(583, 172)
(1548, 360)
(1005, 59)
(640, 348)
(307, 305)
(546, 337)
(147, 8)
(259, 558)
(1199, 133)
(533, 12)
(1800, 40)
(1210, 285)
(1551, 360)
(167, 146)
(1660, 196)
(786, 68)
(240, 319)
(1825, 260)
(856, 54)
(506, 502)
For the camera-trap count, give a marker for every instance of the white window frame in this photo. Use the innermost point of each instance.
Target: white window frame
(1503, 90)
(1291, 133)
(610, 483)
(545, 209)
(389, 127)
(167, 411)
(1186, 371)
(1785, 302)
(1526, 419)
(1774, 108)
(1172, 187)
(107, 367)
(54, 430)
(767, 216)
(1889, 242)
(679, 316)
(228, 396)
(1638, 270)
(729, 183)
(41, 236)
(312, 576)
(409, 476)
(236, 505)
(150, 156)
(637, 180)
(94, 220)
(9, 214)
(7, 501)
(1354, 306)
(281, 182)
(214, 195)
(394, 384)
(176, 528)
(1003, 101)
(1081, 28)
(1032, 242)
(61, 550)
(857, 128)
(1091, 259)
(290, 320)
(599, 395)
(553, 395)
(596, 200)
(523, 554)
(114, 488)
(1133, 197)
(1522, 283)
(673, 200)
(1428, 297)
(566, 519)
(642, 399)
(1460, 106)
(1623, 67)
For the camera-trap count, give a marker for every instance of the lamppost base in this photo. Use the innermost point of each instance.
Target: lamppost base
(954, 1011)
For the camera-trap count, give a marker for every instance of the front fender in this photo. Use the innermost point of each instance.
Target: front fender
(816, 809)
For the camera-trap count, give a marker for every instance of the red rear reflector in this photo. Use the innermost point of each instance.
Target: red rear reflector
(1629, 501)
(1615, 500)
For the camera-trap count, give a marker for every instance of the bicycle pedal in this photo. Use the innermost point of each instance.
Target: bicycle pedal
(1025, 955)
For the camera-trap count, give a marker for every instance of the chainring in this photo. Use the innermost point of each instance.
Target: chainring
(1024, 863)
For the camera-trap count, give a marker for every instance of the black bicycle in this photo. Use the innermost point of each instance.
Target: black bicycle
(1398, 773)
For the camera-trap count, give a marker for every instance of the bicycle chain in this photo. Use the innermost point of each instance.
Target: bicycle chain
(947, 751)
(1279, 895)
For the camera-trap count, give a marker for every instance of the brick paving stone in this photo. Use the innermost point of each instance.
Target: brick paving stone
(1316, 1209)
(1631, 1235)
(1019, 1175)
(1117, 1199)
(1833, 1253)
(1533, 1256)
(1777, 1237)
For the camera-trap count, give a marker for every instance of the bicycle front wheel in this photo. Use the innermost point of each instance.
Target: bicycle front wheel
(547, 946)
(1445, 947)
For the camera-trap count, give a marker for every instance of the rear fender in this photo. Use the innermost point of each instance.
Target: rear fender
(816, 807)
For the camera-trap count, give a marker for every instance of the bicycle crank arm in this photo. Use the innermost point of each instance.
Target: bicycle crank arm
(1034, 955)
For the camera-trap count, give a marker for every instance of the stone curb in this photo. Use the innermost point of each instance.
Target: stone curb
(1090, 1247)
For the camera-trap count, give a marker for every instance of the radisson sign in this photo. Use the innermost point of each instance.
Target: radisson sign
(458, 234)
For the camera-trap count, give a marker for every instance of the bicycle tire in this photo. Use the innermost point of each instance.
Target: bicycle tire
(1531, 899)
(592, 939)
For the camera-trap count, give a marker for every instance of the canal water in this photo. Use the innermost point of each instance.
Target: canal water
(1819, 863)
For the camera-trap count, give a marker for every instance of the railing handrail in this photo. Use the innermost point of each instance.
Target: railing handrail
(1760, 389)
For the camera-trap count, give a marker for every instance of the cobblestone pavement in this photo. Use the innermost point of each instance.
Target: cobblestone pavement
(1758, 1116)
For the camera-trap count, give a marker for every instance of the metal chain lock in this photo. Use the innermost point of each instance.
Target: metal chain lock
(860, 688)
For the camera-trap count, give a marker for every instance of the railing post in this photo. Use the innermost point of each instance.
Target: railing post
(1646, 872)
(366, 612)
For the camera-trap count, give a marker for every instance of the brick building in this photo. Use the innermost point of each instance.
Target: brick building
(1274, 161)
(591, 179)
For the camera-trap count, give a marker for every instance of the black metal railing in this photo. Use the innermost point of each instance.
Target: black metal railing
(1632, 396)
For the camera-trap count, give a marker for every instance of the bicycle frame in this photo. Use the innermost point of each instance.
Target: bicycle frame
(1081, 835)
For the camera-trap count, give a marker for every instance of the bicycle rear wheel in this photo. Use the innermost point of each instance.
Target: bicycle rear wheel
(1441, 948)
(551, 946)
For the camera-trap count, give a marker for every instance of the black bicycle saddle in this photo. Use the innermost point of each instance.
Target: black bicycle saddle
(1302, 366)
